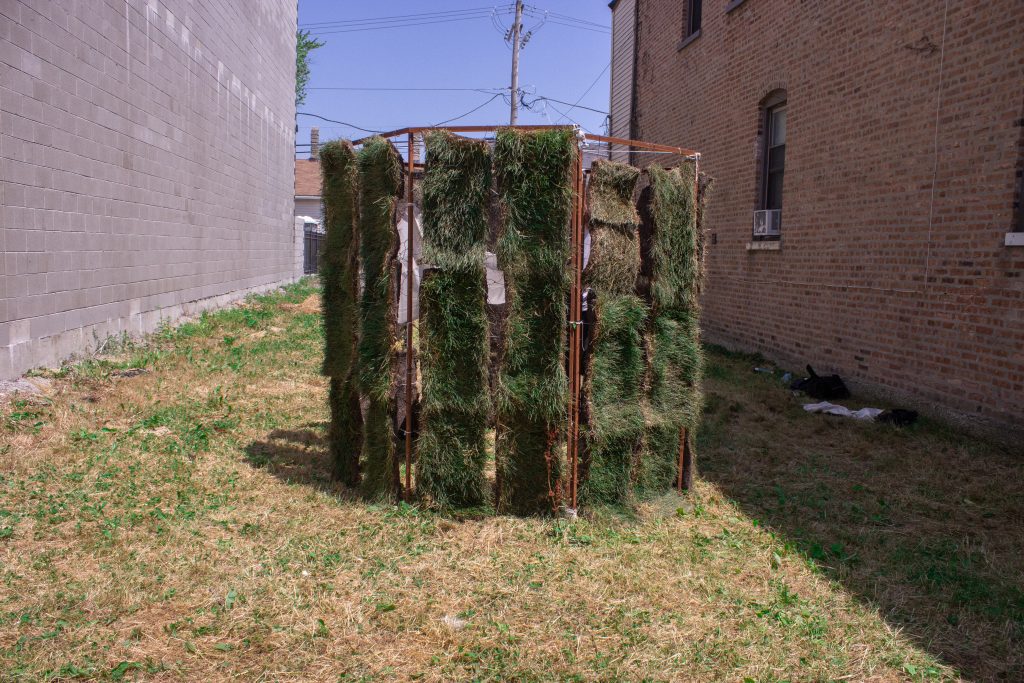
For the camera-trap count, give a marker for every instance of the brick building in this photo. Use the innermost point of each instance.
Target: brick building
(146, 154)
(885, 141)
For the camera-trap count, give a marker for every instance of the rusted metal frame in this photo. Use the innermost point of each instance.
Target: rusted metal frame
(409, 277)
(580, 212)
(648, 146)
(639, 144)
(419, 130)
(575, 331)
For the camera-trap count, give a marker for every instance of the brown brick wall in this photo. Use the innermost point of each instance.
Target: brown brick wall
(903, 139)
(146, 166)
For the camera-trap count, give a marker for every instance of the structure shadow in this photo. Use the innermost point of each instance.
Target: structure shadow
(298, 456)
(924, 523)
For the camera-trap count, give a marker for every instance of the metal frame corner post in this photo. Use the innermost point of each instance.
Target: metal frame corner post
(575, 332)
(409, 278)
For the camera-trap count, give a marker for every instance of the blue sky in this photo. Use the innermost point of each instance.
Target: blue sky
(459, 49)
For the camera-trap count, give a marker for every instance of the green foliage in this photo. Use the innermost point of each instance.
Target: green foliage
(339, 268)
(453, 328)
(339, 273)
(304, 44)
(380, 176)
(674, 252)
(345, 433)
(613, 388)
(675, 359)
(535, 193)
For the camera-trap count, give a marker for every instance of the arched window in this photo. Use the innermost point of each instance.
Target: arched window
(771, 166)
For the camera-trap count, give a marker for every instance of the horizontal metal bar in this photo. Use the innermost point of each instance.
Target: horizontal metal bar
(639, 144)
(644, 145)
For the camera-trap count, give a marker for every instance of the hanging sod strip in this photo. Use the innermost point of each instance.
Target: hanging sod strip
(453, 327)
(380, 176)
(535, 191)
(339, 271)
(613, 388)
(675, 360)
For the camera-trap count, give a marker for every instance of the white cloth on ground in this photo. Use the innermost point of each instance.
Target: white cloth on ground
(833, 409)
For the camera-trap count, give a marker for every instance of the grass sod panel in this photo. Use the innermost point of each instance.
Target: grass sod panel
(454, 325)
(614, 376)
(535, 190)
(339, 273)
(380, 179)
(675, 360)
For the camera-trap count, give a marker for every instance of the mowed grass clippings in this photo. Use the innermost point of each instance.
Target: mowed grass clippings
(533, 172)
(339, 275)
(380, 180)
(451, 448)
(183, 524)
(614, 378)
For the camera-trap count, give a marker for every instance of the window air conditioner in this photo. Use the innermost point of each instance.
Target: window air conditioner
(768, 223)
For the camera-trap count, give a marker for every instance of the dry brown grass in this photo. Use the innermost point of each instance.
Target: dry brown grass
(182, 525)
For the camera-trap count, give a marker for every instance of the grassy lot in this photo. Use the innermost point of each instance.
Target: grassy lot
(166, 513)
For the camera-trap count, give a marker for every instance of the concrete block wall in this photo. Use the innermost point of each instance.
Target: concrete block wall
(146, 168)
(905, 138)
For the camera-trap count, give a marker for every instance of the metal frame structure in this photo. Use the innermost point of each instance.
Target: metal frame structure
(575, 331)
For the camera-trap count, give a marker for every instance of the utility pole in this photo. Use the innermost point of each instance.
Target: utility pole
(516, 29)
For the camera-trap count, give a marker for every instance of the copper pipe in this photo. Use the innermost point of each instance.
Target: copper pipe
(574, 296)
(408, 317)
(578, 341)
(575, 332)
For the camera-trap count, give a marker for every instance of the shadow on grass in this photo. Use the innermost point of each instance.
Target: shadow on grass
(298, 456)
(926, 524)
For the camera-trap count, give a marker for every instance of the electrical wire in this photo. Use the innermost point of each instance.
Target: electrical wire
(589, 88)
(407, 25)
(324, 118)
(398, 17)
(565, 20)
(374, 89)
(568, 104)
(461, 116)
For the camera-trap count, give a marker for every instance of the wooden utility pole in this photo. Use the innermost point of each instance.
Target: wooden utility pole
(516, 29)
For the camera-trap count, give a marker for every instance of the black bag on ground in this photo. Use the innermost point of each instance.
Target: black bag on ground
(828, 387)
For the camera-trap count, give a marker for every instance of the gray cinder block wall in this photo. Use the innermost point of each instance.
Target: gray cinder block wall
(146, 165)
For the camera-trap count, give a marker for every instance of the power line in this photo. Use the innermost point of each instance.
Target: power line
(589, 88)
(406, 25)
(384, 89)
(324, 118)
(556, 15)
(568, 104)
(461, 116)
(396, 17)
(566, 20)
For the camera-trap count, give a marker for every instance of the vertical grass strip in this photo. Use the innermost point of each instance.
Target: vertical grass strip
(453, 328)
(613, 386)
(535, 190)
(380, 176)
(339, 272)
(675, 360)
